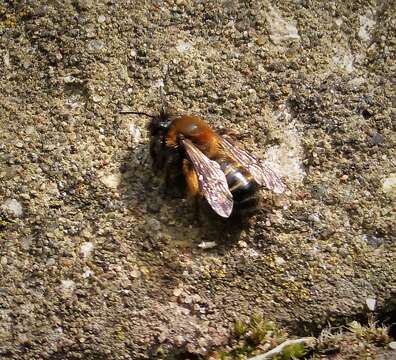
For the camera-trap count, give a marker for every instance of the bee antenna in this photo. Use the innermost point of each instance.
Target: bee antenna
(163, 100)
(137, 113)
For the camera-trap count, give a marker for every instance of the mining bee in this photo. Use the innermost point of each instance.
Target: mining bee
(213, 166)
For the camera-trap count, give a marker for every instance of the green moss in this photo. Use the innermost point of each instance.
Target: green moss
(260, 329)
(240, 353)
(370, 333)
(240, 328)
(294, 352)
(9, 18)
(250, 334)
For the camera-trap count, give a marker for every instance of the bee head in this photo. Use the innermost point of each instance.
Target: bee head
(159, 124)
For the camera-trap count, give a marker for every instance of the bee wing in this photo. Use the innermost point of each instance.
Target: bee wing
(260, 172)
(212, 181)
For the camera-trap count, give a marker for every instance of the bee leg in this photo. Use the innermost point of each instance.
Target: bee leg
(197, 210)
(192, 186)
(191, 178)
(231, 133)
(172, 176)
(155, 153)
(228, 132)
(168, 180)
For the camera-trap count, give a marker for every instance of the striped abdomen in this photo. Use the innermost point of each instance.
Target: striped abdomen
(241, 184)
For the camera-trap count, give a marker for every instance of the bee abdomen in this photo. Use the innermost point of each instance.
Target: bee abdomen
(242, 186)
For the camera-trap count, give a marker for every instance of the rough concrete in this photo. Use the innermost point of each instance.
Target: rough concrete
(95, 263)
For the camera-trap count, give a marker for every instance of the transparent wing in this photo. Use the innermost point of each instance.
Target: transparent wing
(212, 181)
(260, 172)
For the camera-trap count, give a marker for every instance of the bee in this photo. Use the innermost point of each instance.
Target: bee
(213, 166)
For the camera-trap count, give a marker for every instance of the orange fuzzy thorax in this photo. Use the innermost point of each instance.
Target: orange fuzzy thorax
(196, 130)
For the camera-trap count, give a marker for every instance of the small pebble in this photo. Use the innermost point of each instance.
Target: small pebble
(6, 59)
(26, 243)
(14, 206)
(68, 286)
(135, 273)
(370, 302)
(179, 340)
(177, 292)
(279, 260)
(338, 21)
(96, 98)
(135, 133)
(183, 47)
(281, 29)
(69, 79)
(242, 244)
(389, 184)
(356, 82)
(154, 224)
(314, 218)
(367, 24)
(376, 139)
(111, 180)
(95, 45)
(207, 244)
(86, 249)
(87, 273)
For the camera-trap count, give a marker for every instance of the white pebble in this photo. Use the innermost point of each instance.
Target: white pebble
(135, 132)
(97, 98)
(370, 302)
(207, 244)
(87, 273)
(14, 206)
(280, 28)
(135, 273)
(26, 243)
(279, 260)
(286, 159)
(389, 184)
(111, 181)
(95, 45)
(183, 47)
(367, 24)
(343, 58)
(6, 59)
(338, 21)
(242, 244)
(67, 287)
(314, 217)
(86, 249)
(159, 83)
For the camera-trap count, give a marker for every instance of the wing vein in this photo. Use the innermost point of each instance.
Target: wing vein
(260, 172)
(212, 181)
